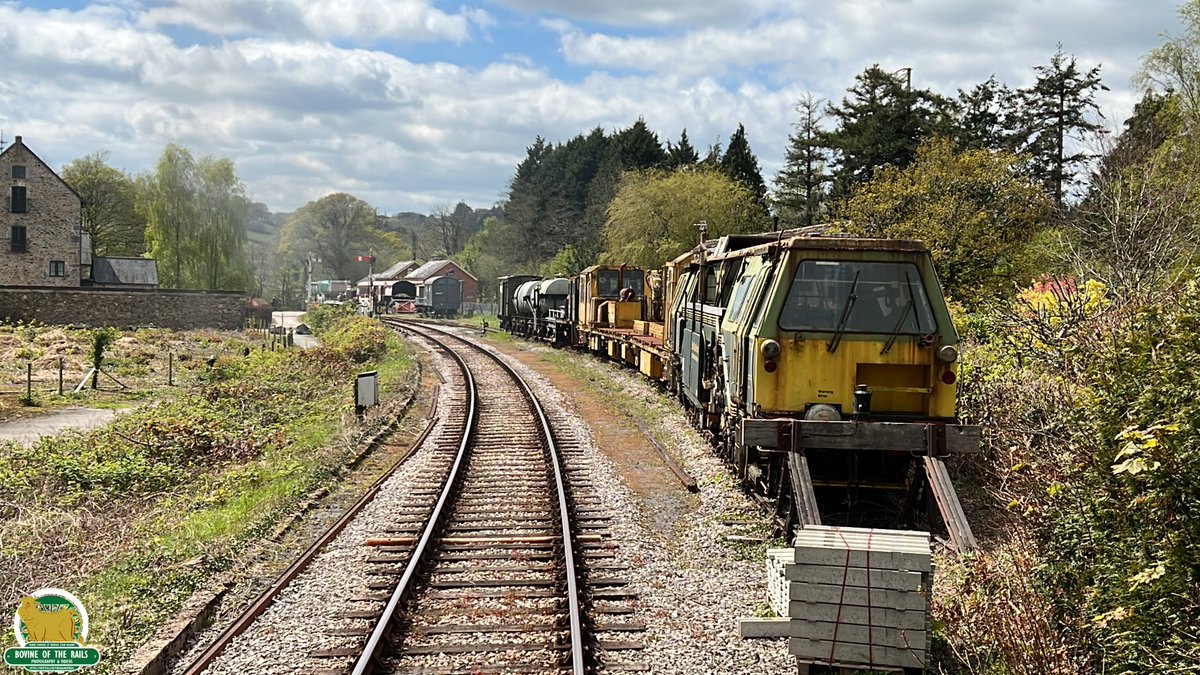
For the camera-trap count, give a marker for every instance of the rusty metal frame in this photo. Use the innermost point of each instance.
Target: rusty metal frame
(948, 504)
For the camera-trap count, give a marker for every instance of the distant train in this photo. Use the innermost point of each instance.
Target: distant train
(439, 297)
(824, 369)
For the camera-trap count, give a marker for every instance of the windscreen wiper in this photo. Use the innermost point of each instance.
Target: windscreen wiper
(903, 316)
(849, 307)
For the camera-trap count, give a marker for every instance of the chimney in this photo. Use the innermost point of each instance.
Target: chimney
(16, 140)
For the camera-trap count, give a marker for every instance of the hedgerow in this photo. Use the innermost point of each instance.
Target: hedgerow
(1092, 469)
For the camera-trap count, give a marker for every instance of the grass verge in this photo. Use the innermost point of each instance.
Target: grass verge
(135, 517)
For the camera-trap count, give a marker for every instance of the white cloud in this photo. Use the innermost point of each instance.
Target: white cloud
(706, 50)
(302, 114)
(648, 13)
(365, 20)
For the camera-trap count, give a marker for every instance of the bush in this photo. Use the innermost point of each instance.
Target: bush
(1126, 540)
(322, 317)
(358, 338)
(1093, 449)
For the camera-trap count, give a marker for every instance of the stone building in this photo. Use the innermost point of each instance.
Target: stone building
(47, 272)
(40, 221)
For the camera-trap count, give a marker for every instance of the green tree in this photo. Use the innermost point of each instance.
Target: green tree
(489, 253)
(633, 149)
(983, 116)
(683, 154)
(196, 215)
(1137, 228)
(168, 203)
(740, 164)
(1055, 110)
(880, 125)
(653, 217)
(548, 197)
(969, 207)
(454, 226)
(566, 263)
(800, 197)
(110, 212)
(1174, 66)
(1155, 120)
(224, 212)
(335, 228)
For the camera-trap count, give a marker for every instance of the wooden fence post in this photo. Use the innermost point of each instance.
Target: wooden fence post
(170, 369)
(60, 376)
(29, 381)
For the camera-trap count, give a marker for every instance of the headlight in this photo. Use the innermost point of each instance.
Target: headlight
(947, 354)
(770, 348)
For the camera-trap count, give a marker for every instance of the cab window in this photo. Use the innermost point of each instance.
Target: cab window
(857, 297)
(710, 285)
(635, 279)
(737, 307)
(608, 283)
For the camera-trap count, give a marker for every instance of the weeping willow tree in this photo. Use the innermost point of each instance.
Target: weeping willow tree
(653, 217)
(196, 214)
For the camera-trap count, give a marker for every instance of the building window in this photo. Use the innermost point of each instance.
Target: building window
(17, 203)
(17, 234)
(18, 171)
(58, 268)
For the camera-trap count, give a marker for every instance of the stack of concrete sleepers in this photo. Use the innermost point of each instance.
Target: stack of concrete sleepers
(854, 597)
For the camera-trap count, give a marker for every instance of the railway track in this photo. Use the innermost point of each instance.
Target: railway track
(496, 544)
(496, 557)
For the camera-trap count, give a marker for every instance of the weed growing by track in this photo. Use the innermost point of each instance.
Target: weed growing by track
(134, 517)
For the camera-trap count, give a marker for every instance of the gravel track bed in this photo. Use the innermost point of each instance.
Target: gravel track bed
(692, 585)
(307, 608)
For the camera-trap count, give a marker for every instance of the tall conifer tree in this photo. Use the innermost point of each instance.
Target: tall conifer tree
(1055, 110)
(800, 186)
(740, 164)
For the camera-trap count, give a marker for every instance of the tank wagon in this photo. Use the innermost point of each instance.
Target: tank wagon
(507, 307)
(439, 297)
(823, 369)
(540, 310)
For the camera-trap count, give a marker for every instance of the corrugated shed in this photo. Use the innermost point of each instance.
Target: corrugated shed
(132, 271)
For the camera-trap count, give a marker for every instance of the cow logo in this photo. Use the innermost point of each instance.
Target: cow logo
(51, 627)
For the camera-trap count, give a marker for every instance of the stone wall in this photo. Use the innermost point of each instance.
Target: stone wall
(179, 310)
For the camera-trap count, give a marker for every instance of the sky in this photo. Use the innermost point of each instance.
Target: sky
(413, 105)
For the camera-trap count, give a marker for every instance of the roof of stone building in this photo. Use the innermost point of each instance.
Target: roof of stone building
(432, 268)
(397, 271)
(19, 143)
(139, 271)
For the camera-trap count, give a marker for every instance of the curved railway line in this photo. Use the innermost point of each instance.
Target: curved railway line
(494, 559)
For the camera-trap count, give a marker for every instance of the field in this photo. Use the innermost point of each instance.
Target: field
(145, 364)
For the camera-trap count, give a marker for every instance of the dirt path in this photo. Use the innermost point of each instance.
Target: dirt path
(26, 430)
(664, 497)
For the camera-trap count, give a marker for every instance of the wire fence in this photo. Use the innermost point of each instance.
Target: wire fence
(60, 374)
